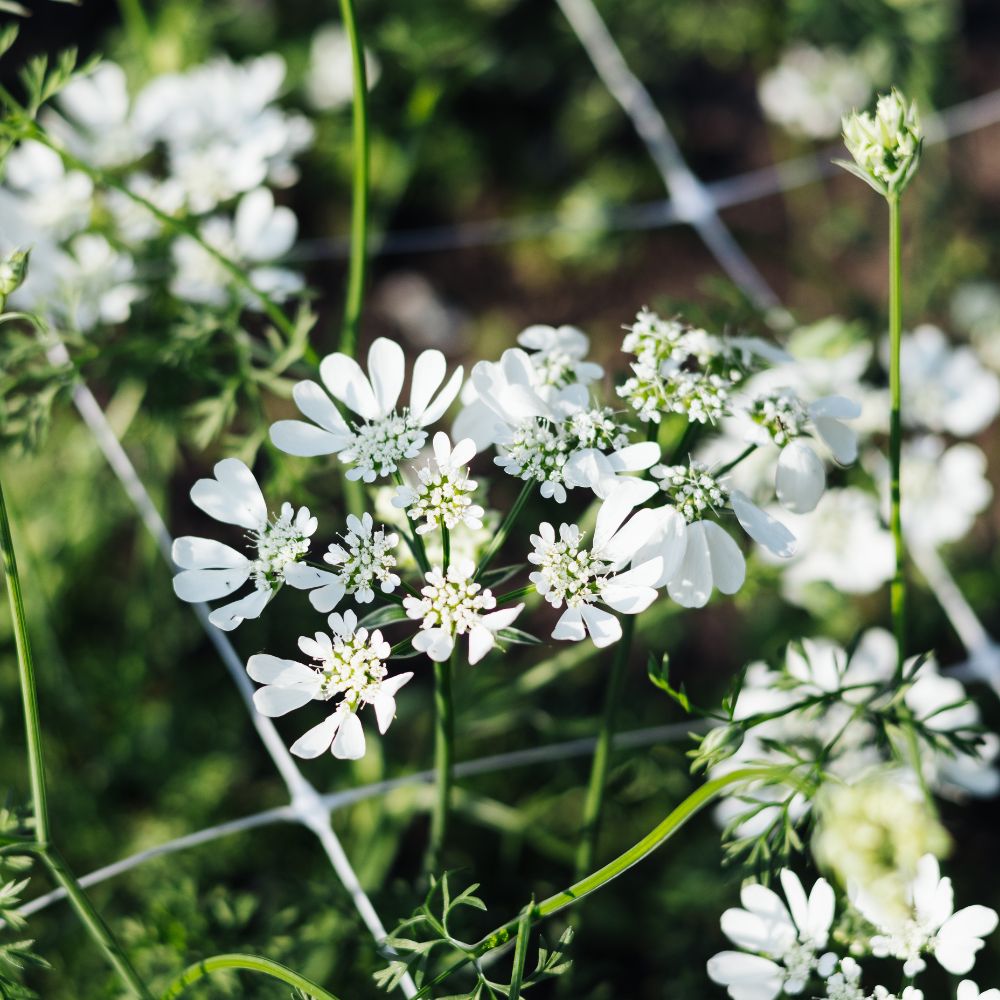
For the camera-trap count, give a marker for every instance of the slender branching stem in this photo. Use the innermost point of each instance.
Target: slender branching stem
(898, 598)
(249, 963)
(445, 548)
(594, 802)
(444, 757)
(729, 466)
(359, 190)
(504, 530)
(89, 917)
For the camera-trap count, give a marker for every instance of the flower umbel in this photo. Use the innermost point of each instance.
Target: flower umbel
(885, 145)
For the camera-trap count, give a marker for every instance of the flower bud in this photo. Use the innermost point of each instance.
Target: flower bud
(13, 271)
(885, 145)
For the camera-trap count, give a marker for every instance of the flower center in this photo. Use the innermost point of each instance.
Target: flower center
(278, 545)
(380, 445)
(452, 604)
(443, 496)
(367, 558)
(691, 489)
(566, 573)
(351, 668)
(781, 413)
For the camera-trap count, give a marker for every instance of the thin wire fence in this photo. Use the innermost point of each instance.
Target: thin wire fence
(690, 202)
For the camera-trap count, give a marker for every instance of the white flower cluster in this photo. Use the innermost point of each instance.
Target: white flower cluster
(885, 145)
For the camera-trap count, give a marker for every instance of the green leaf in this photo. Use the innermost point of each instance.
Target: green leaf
(518, 637)
(659, 673)
(495, 577)
(384, 615)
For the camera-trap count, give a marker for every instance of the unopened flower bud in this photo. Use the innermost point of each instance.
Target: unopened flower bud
(13, 271)
(885, 145)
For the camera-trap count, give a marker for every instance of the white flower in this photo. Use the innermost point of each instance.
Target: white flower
(135, 222)
(810, 89)
(782, 940)
(211, 569)
(348, 667)
(450, 605)
(385, 436)
(260, 232)
(444, 492)
(844, 984)
(538, 434)
(330, 76)
(711, 557)
(968, 990)
(366, 559)
(780, 417)
(559, 355)
(975, 309)
(945, 388)
(56, 201)
(885, 146)
(909, 993)
(95, 283)
(578, 578)
(930, 925)
(841, 543)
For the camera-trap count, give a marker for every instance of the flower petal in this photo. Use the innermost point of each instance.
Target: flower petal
(386, 369)
(800, 478)
(761, 527)
(313, 401)
(233, 497)
(570, 626)
(209, 584)
(189, 552)
(604, 628)
(266, 669)
(318, 739)
(296, 437)
(348, 383)
(349, 743)
(428, 373)
(436, 409)
(273, 701)
(229, 616)
(840, 439)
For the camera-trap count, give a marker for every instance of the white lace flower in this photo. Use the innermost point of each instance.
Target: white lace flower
(909, 993)
(57, 201)
(559, 355)
(885, 145)
(845, 983)
(452, 604)
(260, 232)
(329, 80)
(96, 283)
(781, 942)
(348, 666)
(211, 569)
(366, 559)
(377, 443)
(579, 578)
(810, 89)
(780, 417)
(711, 558)
(444, 493)
(928, 925)
(968, 990)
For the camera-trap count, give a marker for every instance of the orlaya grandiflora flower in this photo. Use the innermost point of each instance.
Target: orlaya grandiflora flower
(968, 990)
(780, 417)
(927, 922)
(211, 569)
(443, 494)
(536, 434)
(452, 604)
(348, 667)
(711, 558)
(782, 940)
(580, 579)
(385, 435)
(364, 561)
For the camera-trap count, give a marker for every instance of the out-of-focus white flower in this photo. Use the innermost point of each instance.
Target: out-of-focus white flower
(975, 309)
(968, 990)
(711, 558)
(943, 489)
(845, 983)
(929, 924)
(135, 222)
(452, 604)
(444, 493)
(96, 283)
(885, 145)
(385, 435)
(559, 355)
(210, 569)
(365, 560)
(259, 233)
(329, 79)
(841, 543)
(56, 201)
(98, 123)
(945, 388)
(349, 666)
(223, 134)
(781, 943)
(810, 90)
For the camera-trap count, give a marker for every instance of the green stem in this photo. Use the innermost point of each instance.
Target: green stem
(521, 951)
(26, 669)
(359, 191)
(658, 836)
(898, 585)
(99, 931)
(444, 757)
(729, 466)
(594, 802)
(251, 963)
(445, 548)
(508, 522)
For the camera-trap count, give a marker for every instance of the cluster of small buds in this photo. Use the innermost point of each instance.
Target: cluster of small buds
(654, 340)
(13, 271)
(366, 557)
(702, 396)
(692, 489)
(885, 145)
(380, 446)
(280, 544)
(844, 984)
(444, 493)
(452, 601)
(350, 663)
(567, 573)
(781, 414)
(556, 368)
(595, 428)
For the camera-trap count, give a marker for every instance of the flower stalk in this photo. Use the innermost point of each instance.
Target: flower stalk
(898, 585)
(444, 758)
(249, 963)
(504, 530)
